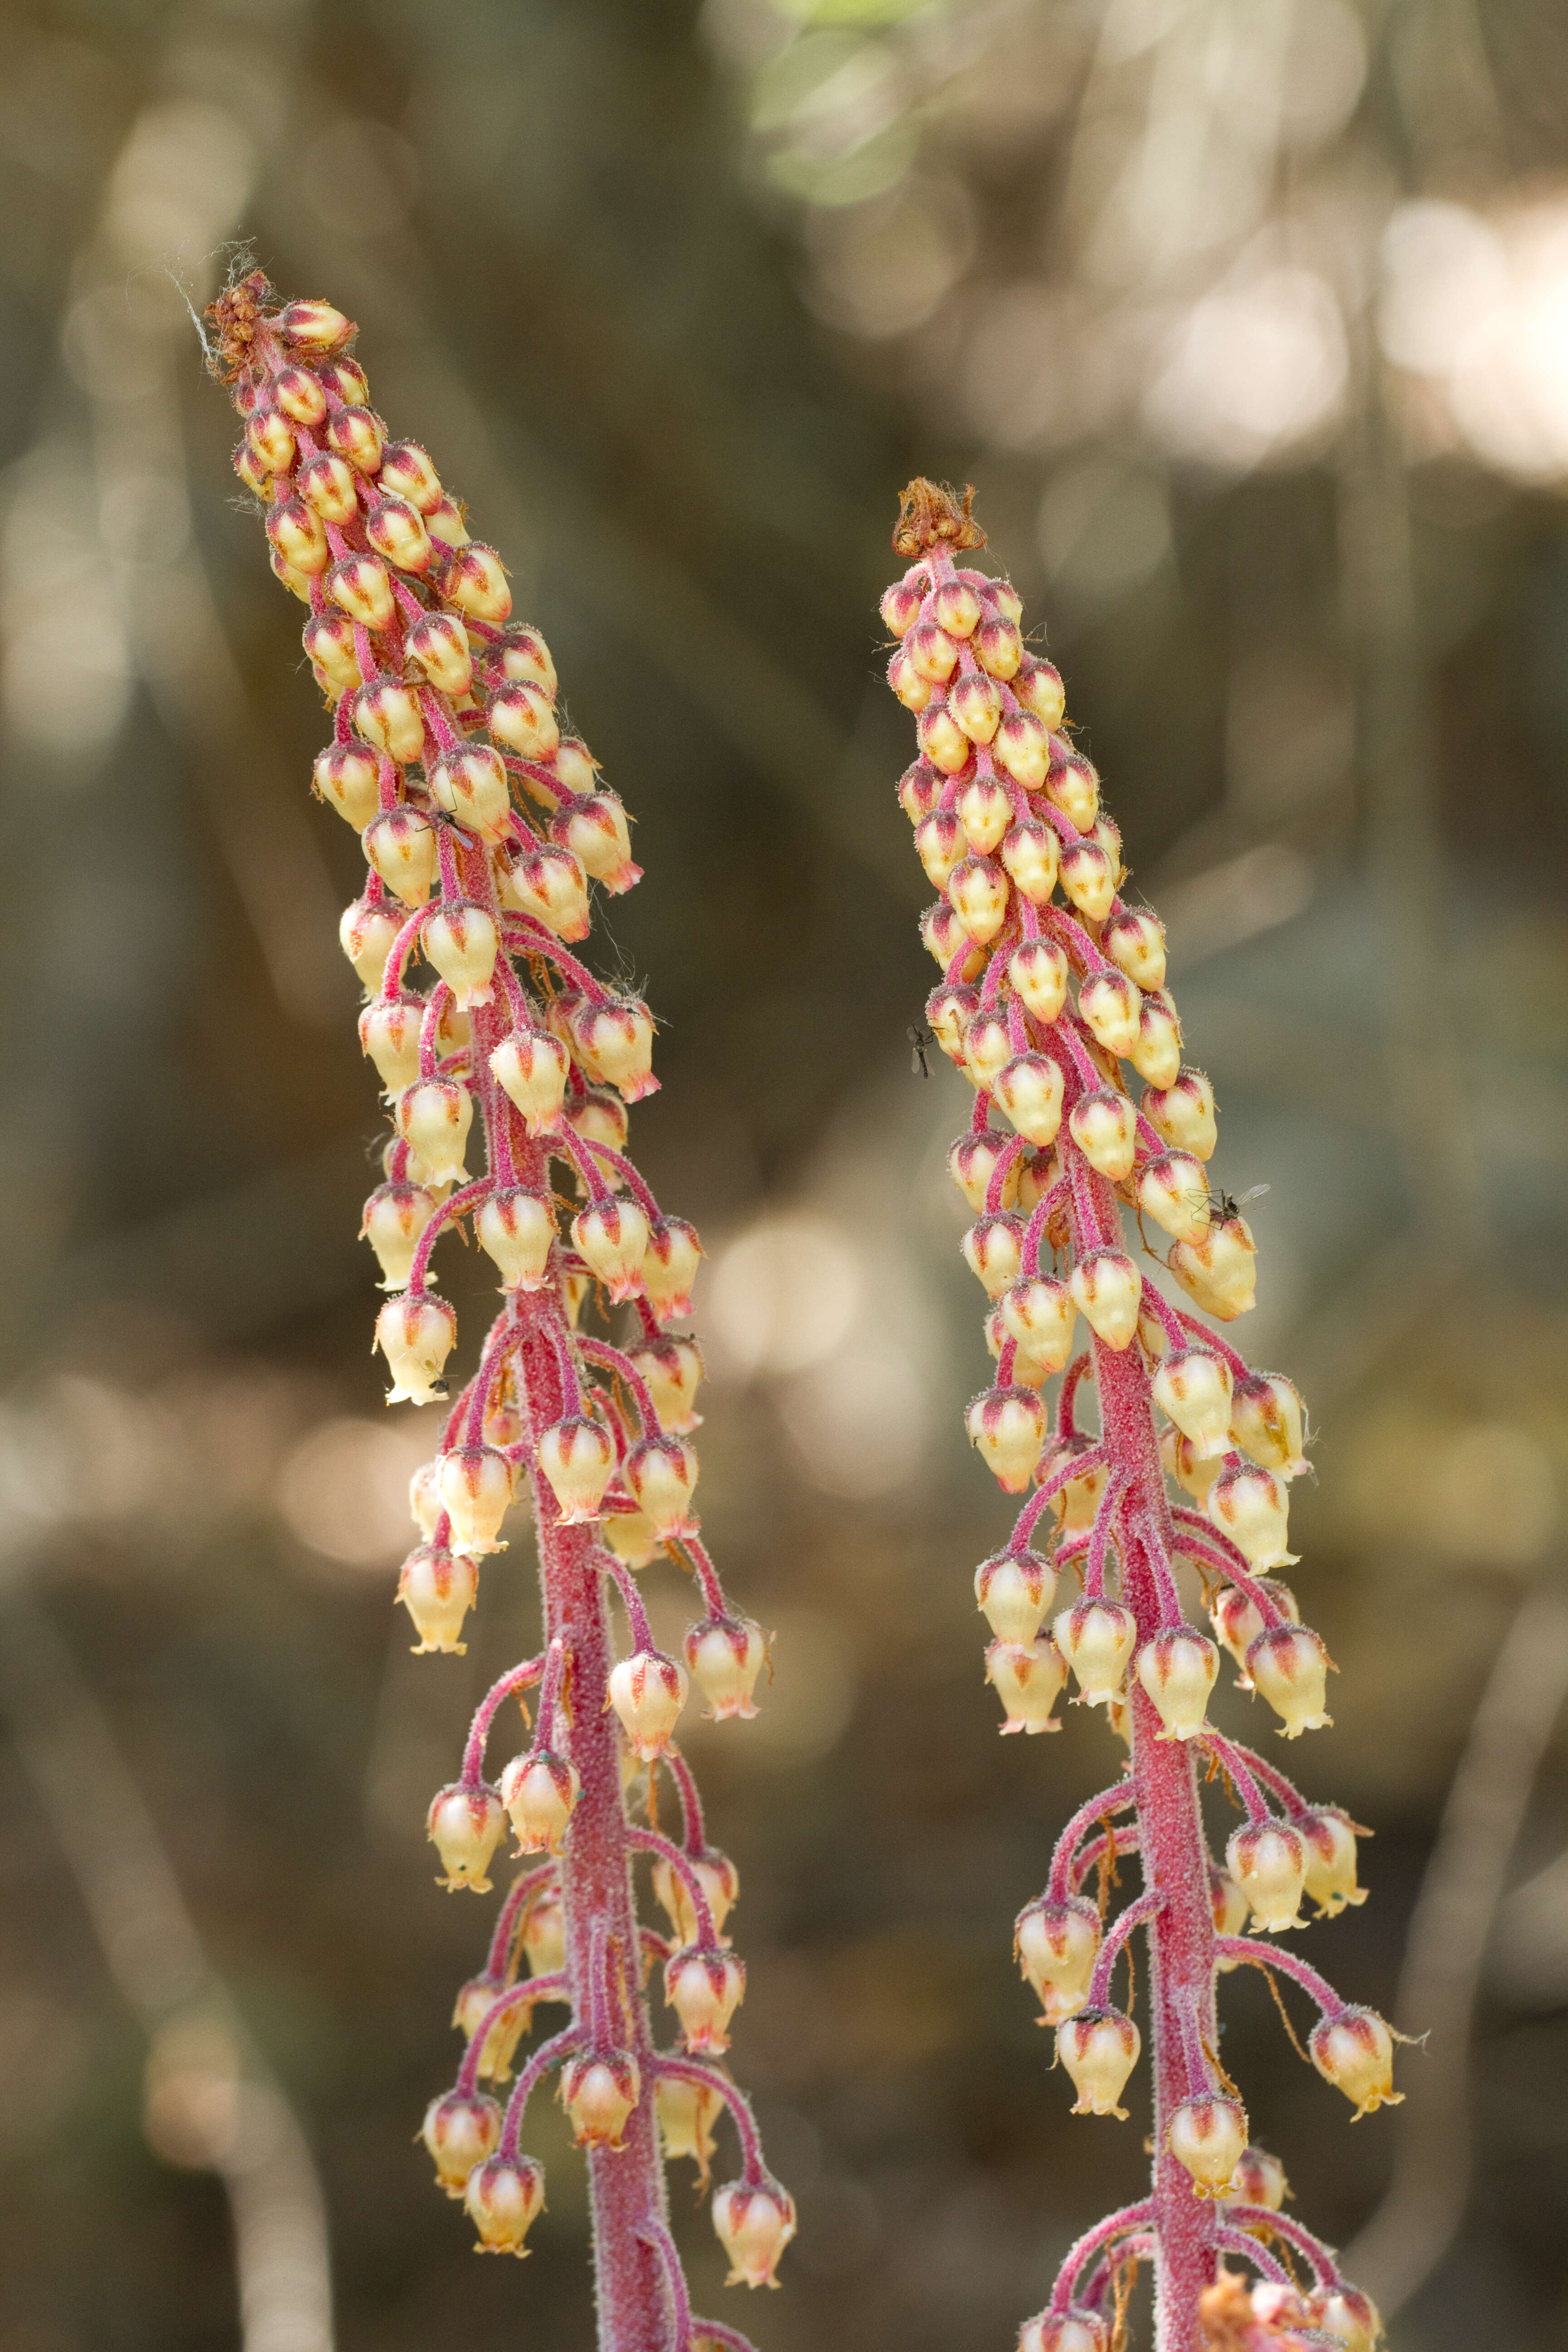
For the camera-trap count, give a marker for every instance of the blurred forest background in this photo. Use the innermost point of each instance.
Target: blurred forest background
(1249, 320)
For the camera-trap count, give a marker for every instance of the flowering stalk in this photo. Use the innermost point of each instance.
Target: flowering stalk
(444, 707)
(1043, 998)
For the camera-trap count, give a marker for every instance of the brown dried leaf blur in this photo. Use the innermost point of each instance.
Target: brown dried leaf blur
(1249, 319)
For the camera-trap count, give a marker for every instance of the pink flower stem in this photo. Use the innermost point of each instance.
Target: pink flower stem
(1249, 1950)
(1273, 1779)
(599, 1351)
(692, 1549)
(1076, 1372)
(511, 1911)
(447, 1212)
(730, 2338)
(517, 1996)
(655, 2234)
(1239, 1367)
(628, 1174)
(1099, 1535)
(1126, 1921)
(995, 1189)
(519, 1678)
(1063, 1475)
(1115, 2225)
(1087, 1817)
(1311, 2250)
(559, 2046)
(1246, 1787)
(1236, 2242)
(695, 1828)
(651, 1841)
(1233, 1557)
(691, 2070)
(398, 952)
(1084, 1861)
(625, 1583)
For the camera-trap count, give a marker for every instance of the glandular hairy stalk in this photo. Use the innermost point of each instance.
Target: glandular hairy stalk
(483, 826)
(1052, 983)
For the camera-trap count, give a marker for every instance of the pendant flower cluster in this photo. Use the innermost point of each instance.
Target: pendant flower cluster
(484, 823)
(1052, 991)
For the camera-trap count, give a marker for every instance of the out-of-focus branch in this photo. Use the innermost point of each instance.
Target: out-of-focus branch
(1416, 2224)
(212, 2102)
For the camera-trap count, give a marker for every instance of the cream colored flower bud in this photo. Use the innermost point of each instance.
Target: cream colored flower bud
(600, 1117)
(1065, 2331)
(1266, 1418)
(549, 883)
(999, 648)
(1038, 970)
(993, 1250)
(1023, 746)
(648, 1692)
(972, 1163)
(598, 2094)
(1089, 878)
(1030, 855)
(464, 1825)
(367, 933)
(1007, 1428)
(1180, 1458)
(1238, 1620)
(914, 690)
(950, 1009)
(1268, 1861)
(1208, 2135)
(437, 646)
(1156, 1052)
(543, 1934)
(328, 642)
(1260, 2180)
(387, 715)
(257, 477)
(672, 1372)
(615, 1040)
(979, 891)
(532, 1066)
(475, 582)
(1099, 2048)
(415, 1335)
(946, 940)
(611, 1237)
(632, 1539)
(389, 1034)
(520, 714)
(437, 1588)
(1220, 1272)
(1252, 1507)
(343, 381)
(461, 2131)
(1174, 1190)
(1178, 1669)
(360, 586)
(1183, 1113)
(540, 1791)
(1028, 1088)
(940, 844)
(1108, 1288)
(1229, 1907)
(395, 1215)
(299, 538)
(1331, 1839)
(933, 651)
(720, 1881)
(1028, 1678)
(975, 702)
(1040, 1174)
(1013, 1590)
(424, 1498)
(505, 2197)
(475, 1484)
(1039, 1313)
(472, 787)
(434, 1116)
(1193, 1385)
(754, 2226)
(901, 608)
(942, 739)
(1096, 1638)
(1109, 1005)
(269, 437)
(327, 485)
(400, 845)
(1290, 1666)
(395, 529)
(462, 942)
(1349, 2316)
(1104, 1126)
(406, 472)
(686, 2113)
(986, 812)
(659, 1474)
(1135, 942)
(920, 788)
(1079, 1501)
(313, 327)
(987, 1046)
(1038, 686)
(956, 608)
(297, 583)
(1073, 786)
(725, 1656)
(1355, 2052)
(577, 1456)
(669, 1266)
(1055, 1942)
(704, 1987)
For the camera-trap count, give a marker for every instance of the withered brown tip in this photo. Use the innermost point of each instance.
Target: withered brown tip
(933, 514)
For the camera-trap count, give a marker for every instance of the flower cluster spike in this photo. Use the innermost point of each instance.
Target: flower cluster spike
(1052, 984)
(483, 824)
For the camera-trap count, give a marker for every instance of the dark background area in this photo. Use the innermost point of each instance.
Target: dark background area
(1250, 324)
